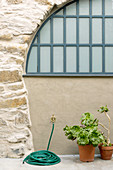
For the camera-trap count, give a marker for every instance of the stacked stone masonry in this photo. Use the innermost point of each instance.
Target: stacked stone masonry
(19, 21)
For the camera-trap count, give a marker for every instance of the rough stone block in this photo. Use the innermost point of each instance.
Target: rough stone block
(15, 60)
(15, 48)
(2, 123)
(16, 151)
(13, 94)
(22, 119)
(1, 88)
(42, 1)
(16, 138)
(57, 2)
(14, 1)
(5, 36)
(10, 76)
(25, 39)
(15, 87)
(3, 149)
(12, 103)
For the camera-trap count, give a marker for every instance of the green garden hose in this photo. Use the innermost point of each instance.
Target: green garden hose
(44, 157)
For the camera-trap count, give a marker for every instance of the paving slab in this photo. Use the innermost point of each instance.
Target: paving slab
(67, 163)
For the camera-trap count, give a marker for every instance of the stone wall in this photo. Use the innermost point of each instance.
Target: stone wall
(19, 20)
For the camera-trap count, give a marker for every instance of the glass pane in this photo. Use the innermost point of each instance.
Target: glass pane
(97, 59)
(58, 30)
(108, 7)
(109, 31)
(109, 59)
(97, 30)
(84, 59)
(58, 59)
(97, 7)
(60, 12)
(44, 59)
(71, 9)
(84, 30)
(45, 33)
(71, 30)
(84, 7)
(32, 63)
(71, 59)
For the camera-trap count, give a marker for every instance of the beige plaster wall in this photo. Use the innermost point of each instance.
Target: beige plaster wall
(67, 98)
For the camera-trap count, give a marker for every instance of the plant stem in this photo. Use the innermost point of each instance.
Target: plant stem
(103, 126)
(108, 139)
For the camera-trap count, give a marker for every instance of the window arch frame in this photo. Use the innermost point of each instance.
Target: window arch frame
(90, 44)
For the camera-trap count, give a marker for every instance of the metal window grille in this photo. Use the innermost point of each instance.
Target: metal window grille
(64, 16)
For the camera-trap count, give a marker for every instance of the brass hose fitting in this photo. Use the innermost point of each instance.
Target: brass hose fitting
(53, 118)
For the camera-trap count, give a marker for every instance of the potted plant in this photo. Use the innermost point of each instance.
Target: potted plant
(106, 148)
(87, 135)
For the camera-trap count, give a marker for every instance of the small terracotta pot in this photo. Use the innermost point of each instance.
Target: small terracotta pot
(106, 152)
(86, 153)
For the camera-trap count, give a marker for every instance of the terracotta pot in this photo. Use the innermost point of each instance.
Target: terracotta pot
(86, 153)
(106, 152)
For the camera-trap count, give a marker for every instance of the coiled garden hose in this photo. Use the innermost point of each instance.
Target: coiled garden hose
(44, 157)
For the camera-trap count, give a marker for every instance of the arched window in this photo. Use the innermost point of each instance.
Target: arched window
(75, 40)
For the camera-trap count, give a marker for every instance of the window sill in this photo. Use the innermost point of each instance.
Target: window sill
(68, 75)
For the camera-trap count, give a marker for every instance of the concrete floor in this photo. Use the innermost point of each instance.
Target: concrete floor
(67, 163)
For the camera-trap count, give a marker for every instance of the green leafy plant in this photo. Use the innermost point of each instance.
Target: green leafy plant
(104, 109)
(87, 133)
